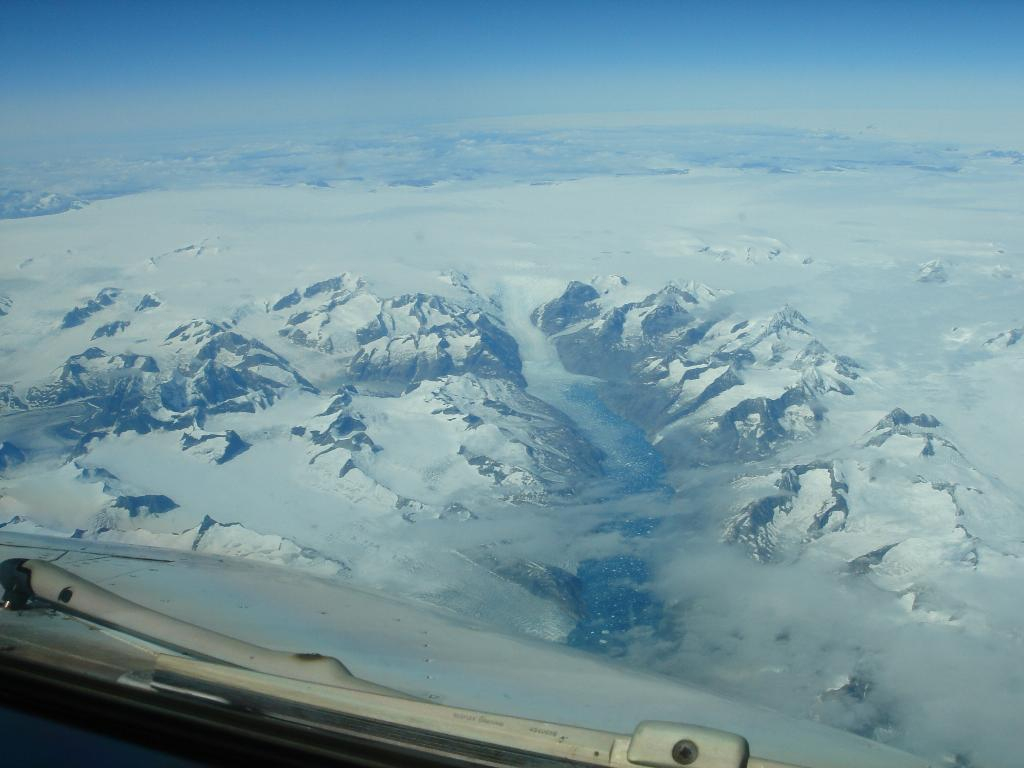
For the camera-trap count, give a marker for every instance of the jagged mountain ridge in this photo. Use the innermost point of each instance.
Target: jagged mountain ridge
(901, 505)
(402, 339)
(461, 378)
(706, 384)
(706, 388)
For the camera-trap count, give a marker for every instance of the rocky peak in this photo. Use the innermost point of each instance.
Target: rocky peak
(345, 282)
(787, 319)
(149, 301)
(111, 329)
(574, 305)
(195, 331)
(897, 418)
(80, 314)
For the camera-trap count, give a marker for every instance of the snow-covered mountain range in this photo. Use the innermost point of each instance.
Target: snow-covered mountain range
(432, 418)
(708, 385)
(453, 407)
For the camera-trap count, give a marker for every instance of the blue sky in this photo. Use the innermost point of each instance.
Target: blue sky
(135, 66)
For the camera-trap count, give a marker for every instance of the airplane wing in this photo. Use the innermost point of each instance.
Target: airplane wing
(227, 629)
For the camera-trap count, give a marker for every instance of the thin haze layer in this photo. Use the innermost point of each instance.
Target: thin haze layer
(686, 335)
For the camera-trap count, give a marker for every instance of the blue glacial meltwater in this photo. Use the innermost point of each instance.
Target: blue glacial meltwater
(613, 589)
(631, 464)
(615, 601)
